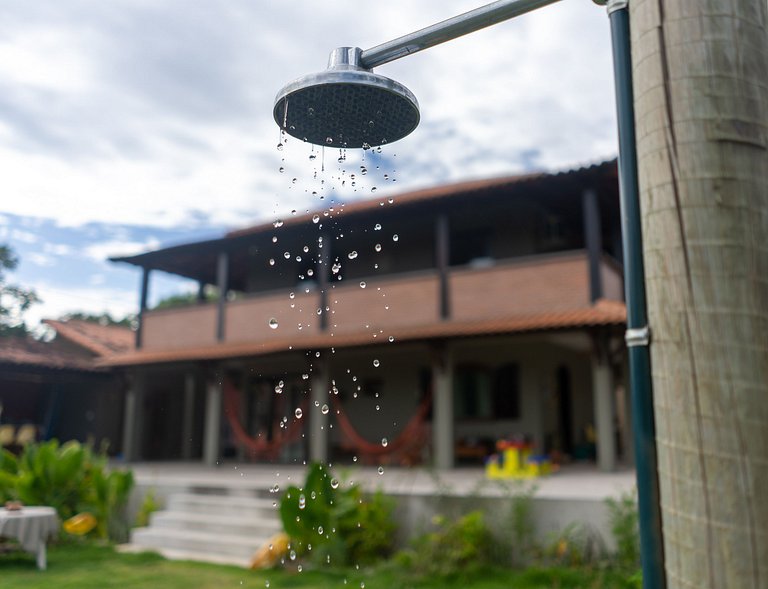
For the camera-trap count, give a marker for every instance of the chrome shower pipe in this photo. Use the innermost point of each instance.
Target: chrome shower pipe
(460, 25)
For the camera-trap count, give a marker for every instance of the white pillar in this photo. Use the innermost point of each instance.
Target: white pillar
(442, 404)
(603, 399)
(132, 424)
(318, 421)
(212, 435)
(188, 414)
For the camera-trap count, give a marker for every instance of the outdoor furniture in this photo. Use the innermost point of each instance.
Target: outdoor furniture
(32, 527)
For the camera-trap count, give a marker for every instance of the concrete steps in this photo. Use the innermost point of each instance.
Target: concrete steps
(222, 529)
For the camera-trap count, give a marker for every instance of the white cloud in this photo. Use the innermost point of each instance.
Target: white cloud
(106, 249)
(58, 301)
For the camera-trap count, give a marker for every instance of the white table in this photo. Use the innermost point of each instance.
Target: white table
(32, 527)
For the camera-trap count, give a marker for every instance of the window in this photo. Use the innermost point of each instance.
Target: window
(485, 393)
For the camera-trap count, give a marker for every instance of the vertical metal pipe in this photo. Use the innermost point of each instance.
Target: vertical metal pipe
(649, 508)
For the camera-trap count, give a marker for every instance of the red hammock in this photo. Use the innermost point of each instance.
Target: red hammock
(411, 436)
(259, 447)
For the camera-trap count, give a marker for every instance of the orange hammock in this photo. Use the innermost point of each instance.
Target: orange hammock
(259, 447)
(411, 435)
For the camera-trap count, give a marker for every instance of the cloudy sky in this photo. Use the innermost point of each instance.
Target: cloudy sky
(130, 124)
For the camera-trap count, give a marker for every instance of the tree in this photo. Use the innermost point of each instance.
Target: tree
(100, 318)
(701, 108)
(14, 299)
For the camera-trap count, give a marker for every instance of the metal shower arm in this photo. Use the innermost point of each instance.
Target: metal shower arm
(460, 25)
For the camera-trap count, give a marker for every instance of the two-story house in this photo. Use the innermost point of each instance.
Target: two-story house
(418, 327)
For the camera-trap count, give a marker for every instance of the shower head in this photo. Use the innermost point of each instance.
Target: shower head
(346, 105)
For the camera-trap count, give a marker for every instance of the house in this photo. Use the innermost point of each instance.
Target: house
(420, 327)
(55, 389)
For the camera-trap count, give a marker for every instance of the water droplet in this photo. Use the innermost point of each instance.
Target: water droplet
(274, 239)
(395, 237)
(334, 484)
(299, 568)
(384, 442)
(391, 338)
(312, 157)
(329, 140)
(298, 413)
(292, 555)
(373, 189)
(324, 409)
(362, 284)
(335, 268)
(292, 295)
(302, 501)
(377, 247)
(305, 376)
(377, 227)
(310, 112)
(320, 530)
(380, 470)
(273, 323)
(352, 255)
(281, 169)
(390, 200)
(315, 218)
(279, 147)
(287, 255)
(376, 363)
(271, 261)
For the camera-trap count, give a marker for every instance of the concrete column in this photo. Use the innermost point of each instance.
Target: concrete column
(212, 433)
(442, 404)
(143, 296)
(318, 422)
(603, 399)
(132, 424)
(188, 415)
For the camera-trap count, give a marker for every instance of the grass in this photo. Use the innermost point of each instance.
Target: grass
(90, 566)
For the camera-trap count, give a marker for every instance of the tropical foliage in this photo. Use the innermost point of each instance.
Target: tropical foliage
(334, 523)
(72, 478)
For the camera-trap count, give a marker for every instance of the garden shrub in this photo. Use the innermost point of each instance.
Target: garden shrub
(334, 523)
(71, 478)
(454, 547)
(625, 530)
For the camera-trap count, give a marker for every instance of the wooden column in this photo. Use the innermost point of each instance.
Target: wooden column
(201, 292)
(212, 433)
(442, 403)
(322, 268)
(593, 241)
(442, 260)
(222, 282)
(133, 417)
(604, 401)
(188, 415)
(142, 305)
(318, 421)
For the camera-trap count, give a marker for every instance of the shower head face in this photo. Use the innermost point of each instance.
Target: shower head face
(346, 106)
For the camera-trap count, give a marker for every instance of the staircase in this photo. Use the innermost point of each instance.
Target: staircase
(222, 529)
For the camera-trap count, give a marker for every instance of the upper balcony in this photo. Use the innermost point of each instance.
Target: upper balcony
(394, 305)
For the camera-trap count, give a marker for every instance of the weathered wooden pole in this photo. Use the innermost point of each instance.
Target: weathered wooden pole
(701, 107)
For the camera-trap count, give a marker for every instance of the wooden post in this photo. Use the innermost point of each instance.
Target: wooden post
(222, 282)
(593, 241)
(442, 255)
(701, 108)
(133, 416)
(144, 294)
(318, 421)
(604, 402)
(442, 403)
(188, 414)
(212, 434)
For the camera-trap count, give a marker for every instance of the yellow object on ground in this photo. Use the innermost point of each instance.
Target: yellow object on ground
(271, 552)
(514, 461)
(80, 524)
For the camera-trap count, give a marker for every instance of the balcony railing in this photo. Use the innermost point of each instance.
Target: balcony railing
(508, 288)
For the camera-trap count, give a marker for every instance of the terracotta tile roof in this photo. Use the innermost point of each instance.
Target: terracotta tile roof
(431, 193)
(19, 351)
(603, 312)
(102, 340)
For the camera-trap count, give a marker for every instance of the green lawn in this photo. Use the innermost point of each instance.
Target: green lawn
(87, 566)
